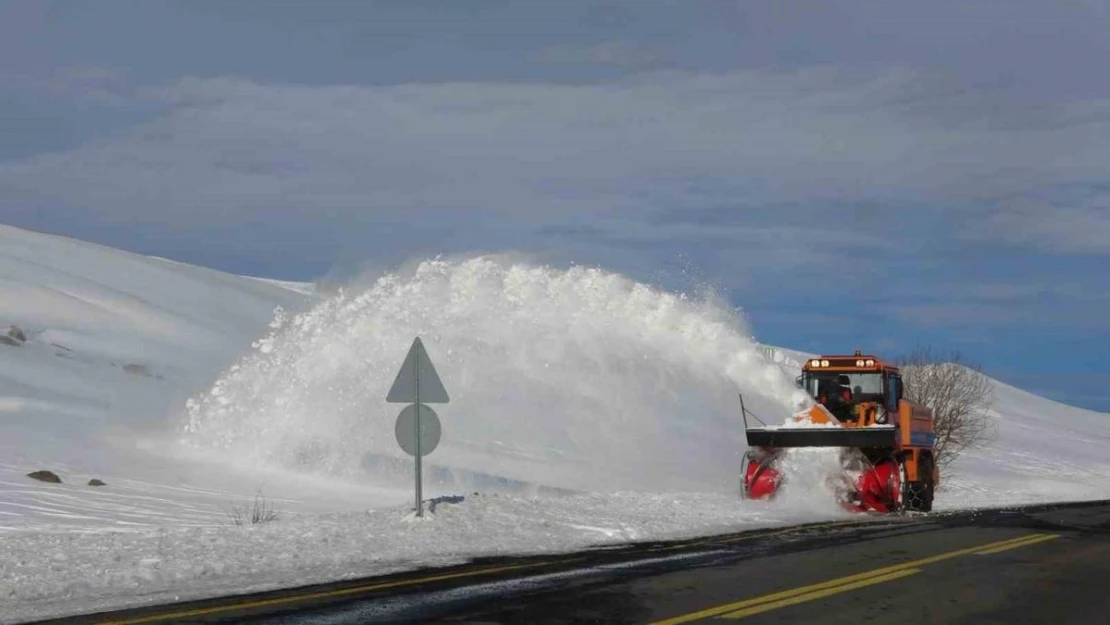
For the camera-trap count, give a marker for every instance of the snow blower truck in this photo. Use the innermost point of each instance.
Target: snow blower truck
(886, 443)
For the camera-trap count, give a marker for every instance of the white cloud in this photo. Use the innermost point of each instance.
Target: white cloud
(89, 84)
(613, 53)
(970, 316)
(232, 152)
(1082, 229)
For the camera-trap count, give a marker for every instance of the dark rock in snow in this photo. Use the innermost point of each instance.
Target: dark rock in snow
(15, 337)
(96, 482)
(143, 370)
(137, 369)
(432, 503)
(45, 476)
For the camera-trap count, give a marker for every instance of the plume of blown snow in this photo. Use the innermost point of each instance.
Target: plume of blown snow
(578, 379)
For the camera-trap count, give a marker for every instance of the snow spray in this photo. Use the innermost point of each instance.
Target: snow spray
(579, 379)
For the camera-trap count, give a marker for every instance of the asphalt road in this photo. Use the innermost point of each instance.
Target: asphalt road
(1045, 564)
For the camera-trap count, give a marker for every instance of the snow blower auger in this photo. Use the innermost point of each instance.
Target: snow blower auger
(886, 442)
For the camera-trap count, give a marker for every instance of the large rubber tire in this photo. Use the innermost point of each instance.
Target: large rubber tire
(918, 496)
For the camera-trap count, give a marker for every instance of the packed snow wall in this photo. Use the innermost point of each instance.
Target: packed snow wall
(578, 379)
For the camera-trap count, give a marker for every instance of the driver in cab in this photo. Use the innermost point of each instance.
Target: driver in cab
(837, 397)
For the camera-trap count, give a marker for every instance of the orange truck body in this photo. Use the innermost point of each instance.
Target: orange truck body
(915, 434)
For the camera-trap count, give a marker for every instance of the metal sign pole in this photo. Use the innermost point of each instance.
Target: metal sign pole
(419, 485)
(418, 428)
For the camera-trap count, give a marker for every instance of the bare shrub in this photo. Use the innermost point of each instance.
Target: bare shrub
(260, 511)
(958, 394)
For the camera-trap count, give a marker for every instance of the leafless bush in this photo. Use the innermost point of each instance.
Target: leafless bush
(958, 394)
(258, 512)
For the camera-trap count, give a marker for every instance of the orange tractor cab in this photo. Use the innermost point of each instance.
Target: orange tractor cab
(886, 442)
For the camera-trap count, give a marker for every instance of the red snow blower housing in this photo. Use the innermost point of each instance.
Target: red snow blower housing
(886, 442)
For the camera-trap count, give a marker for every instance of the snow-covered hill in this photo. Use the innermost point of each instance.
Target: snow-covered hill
(585, 408)
(116, 343)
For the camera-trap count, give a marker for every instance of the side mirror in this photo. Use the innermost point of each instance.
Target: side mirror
(798, 382)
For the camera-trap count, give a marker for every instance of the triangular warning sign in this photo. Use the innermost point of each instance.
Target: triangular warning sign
(404, 387)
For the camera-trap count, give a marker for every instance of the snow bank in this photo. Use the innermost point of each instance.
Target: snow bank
(1042, 451)
(61, 573)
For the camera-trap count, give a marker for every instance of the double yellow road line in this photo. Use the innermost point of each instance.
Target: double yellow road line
(324, 594)
(292, 598)
(735, 610)
(774, 601)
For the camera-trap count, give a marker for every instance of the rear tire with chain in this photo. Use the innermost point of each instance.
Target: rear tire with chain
(918, 496)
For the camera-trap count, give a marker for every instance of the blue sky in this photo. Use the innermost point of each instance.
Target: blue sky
(869, 174)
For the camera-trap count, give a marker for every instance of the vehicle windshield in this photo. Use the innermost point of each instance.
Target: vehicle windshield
(869, 385)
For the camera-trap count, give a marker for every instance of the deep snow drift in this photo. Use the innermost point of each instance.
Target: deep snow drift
(183, 390)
